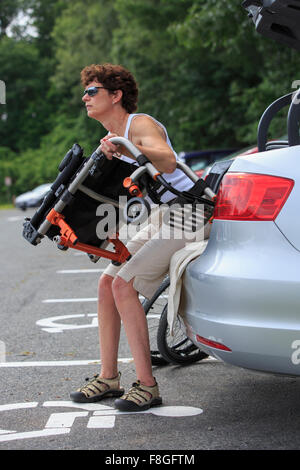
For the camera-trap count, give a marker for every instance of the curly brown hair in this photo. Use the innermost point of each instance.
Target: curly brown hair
(113, 77)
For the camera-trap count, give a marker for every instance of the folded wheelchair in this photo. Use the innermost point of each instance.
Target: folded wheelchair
(71, 211)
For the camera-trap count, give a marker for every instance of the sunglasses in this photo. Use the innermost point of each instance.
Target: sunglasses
(93, 90)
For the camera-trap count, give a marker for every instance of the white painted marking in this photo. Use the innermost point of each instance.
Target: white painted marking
(82, 406)
(100, 422)
(124, 360)
(64, 420)
(103, 417)
(175, 411)
(15, 218)
(84, 299)
(52, 325)
(3, 431)
(79, 271)
(110, 411)
(167, 411)
(49, 301)
(104, 411)
(32, 434)
(18, 406)
(2, 352)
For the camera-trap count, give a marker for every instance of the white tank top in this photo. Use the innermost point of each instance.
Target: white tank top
(177, 179)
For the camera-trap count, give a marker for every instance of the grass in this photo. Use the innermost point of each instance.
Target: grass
(6, 206)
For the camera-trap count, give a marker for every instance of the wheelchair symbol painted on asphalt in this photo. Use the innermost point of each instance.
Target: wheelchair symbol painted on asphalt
(102, 416)
(56, 325)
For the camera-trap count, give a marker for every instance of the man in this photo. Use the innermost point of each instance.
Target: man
(110, 97)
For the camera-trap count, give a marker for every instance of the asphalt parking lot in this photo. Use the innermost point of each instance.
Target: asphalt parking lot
(49, 345)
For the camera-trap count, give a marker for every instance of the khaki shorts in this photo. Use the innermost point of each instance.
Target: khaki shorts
(151, 249)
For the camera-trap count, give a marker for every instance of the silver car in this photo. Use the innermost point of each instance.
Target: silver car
(241, 298)
(32, 198)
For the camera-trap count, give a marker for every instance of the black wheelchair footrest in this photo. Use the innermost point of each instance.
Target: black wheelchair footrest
(30, 233)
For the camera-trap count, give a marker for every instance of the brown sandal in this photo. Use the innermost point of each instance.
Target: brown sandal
(139, 398)
(97, 389)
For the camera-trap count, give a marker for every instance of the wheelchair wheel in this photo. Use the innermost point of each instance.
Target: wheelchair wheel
(153, 309)
(177, 349)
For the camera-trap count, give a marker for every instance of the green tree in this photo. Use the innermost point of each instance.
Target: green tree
(8, 11)
(166, 72)
(82, 35)
(44, 14)
(25, 117)
(251, 71)
(202, 70)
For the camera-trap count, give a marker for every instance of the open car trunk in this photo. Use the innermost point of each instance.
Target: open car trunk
(276, 19)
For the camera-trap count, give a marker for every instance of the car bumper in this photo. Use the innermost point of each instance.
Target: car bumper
(244, 292)
(27, 204)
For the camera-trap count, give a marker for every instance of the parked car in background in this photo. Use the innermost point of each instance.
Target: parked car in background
(250, 150)
(231, 156)
(32, 198)
(199, 159)
(240, 299)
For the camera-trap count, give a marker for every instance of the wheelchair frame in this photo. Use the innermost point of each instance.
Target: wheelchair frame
(73, 173)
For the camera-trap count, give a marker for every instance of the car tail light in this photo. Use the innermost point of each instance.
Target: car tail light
(211, 343)
(248, 196)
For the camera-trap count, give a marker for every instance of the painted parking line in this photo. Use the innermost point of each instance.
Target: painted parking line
(15, 218)
(85, 299)
(79, 271)
(33, 434)
(90, 362)
(89, 299)
(124, 360)
(2, 351)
